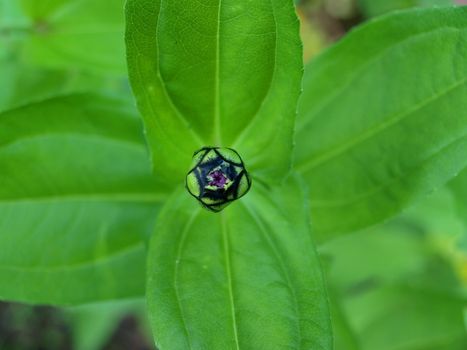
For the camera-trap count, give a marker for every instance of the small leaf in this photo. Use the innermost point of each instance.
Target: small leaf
(77, 200)
(215, 73)
(381, 122)
(246, 278)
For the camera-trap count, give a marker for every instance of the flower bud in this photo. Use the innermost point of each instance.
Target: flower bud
(217, 177)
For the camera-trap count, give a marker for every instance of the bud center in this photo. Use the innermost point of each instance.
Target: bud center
(217, 178)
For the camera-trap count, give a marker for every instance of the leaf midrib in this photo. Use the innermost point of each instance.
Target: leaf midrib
(228, 269)
(217, 112)
(377, 189)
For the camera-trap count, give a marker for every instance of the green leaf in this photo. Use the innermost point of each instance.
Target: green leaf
(44, 8)
(411, 318)
(83, 34)
(76, 201)
(395, 286)
(399, 248)
(372, 8)
(93, 324)
(381, 255)
(27, 83)
(25, 80)
(10, 14)
(458, 187)
(247, 278)
(215, 73)
(381, 122)
(344, 336)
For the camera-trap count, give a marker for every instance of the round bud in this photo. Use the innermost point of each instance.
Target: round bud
(217, 177)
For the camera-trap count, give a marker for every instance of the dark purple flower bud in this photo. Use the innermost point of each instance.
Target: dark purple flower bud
(217, 177)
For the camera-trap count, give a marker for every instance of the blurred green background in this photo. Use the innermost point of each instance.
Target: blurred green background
(398, 286)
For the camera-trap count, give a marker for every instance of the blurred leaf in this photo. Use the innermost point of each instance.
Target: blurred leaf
(44, 8)
(371, 8)
(344, 336)
(394, 289)
(25, 83)
(247, 278)
(93, 324)
(377, 256)
(14, 26)
(10, 14)
(459, 189)
(397, 249)
(205, 74)
(76, 201)
(84, 34)
(24, 79)
(411, 318)
(436, 214)
(380, 122)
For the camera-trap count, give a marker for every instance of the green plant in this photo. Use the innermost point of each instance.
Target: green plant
(381, 122)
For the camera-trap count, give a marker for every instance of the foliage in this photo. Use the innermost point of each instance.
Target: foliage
(373, 8)
(380, 124)
(351, 139)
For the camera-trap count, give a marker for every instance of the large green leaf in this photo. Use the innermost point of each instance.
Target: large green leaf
(76, 201)
(215, 73)
(83, 34)
(247, 278)
(382, 122)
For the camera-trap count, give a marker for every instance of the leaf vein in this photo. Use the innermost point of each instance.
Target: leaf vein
(217, 121)
(177, 265)
(356, 199)
(225, 239)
